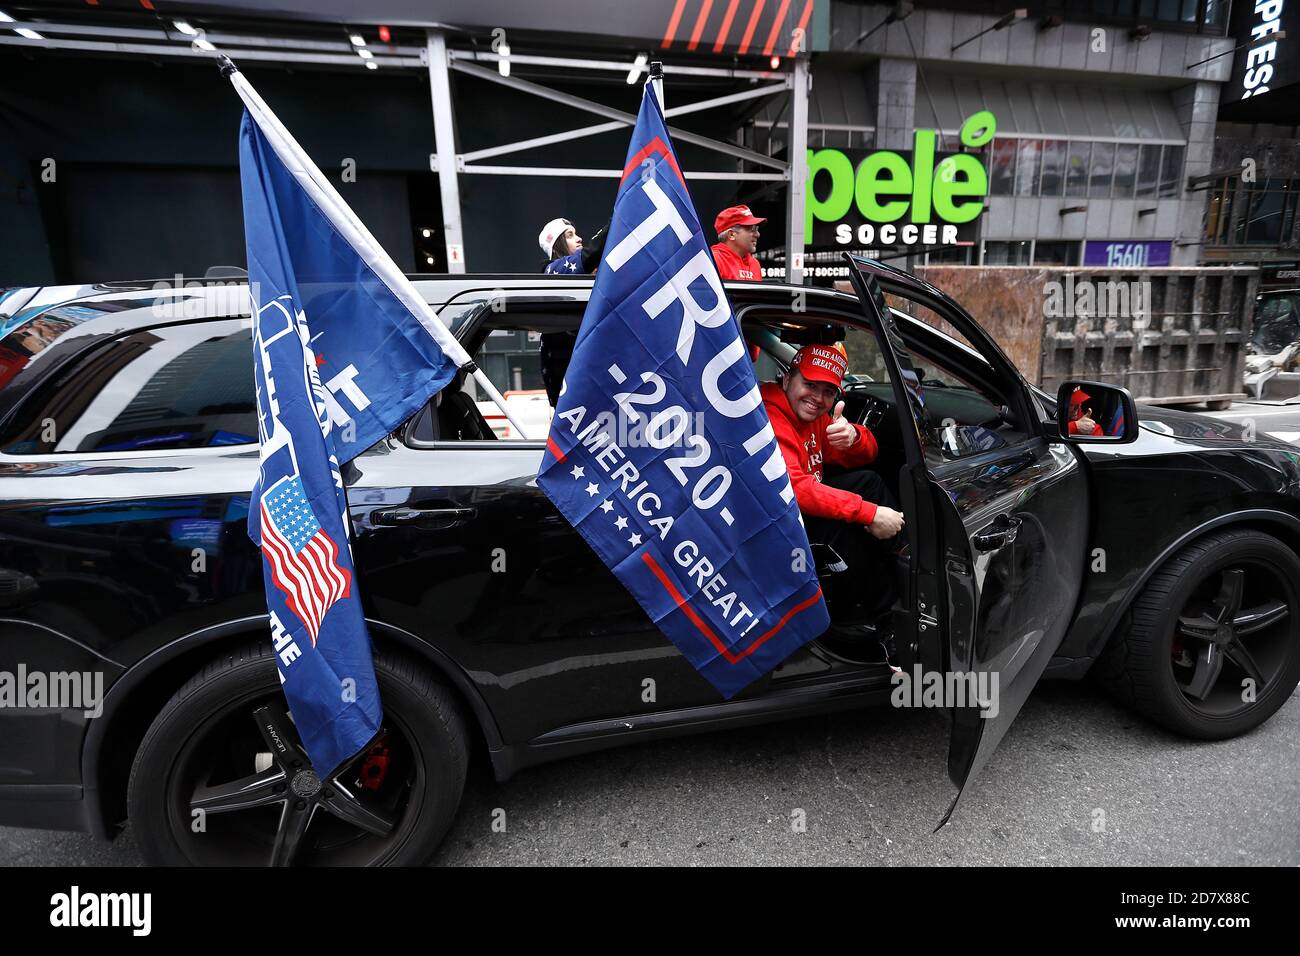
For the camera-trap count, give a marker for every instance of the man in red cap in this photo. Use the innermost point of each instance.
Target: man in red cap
(848, 509)
(1081, 421)
(737, 231)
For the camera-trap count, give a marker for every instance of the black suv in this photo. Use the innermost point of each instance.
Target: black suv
(1160, 556)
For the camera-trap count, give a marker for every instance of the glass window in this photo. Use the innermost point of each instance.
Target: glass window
(1148, 170)
(526, 360)
(1171, 172)
(1056, 254)
(1014, 253)
(1003, 167)
(172, 387)
(1101, 170)
(1126, 161)
(949, 255)
(1054, 159)
(1027, 151)
(1076, 168)
(1264, 216)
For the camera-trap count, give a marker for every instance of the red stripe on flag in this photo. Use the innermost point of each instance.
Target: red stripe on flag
(676, 595)
(803, 26)
(776, 27)
(699, 24)
(554, 449)
(656, 145)
(673, 21)
(749, 28)
(703, 626)
(727, 17)
(803, 606)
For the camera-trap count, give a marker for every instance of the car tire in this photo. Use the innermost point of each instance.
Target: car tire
(424, 765)
(1138, 665)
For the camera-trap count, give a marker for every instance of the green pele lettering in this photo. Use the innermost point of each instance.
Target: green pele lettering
(884, 186)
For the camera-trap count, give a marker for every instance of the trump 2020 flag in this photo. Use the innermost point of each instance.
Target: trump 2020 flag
(661, 454)
(342, 356)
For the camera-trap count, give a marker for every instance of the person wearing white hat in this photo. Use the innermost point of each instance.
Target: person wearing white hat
(566, 254)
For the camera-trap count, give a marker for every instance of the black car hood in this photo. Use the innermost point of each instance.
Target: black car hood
(1180, 424)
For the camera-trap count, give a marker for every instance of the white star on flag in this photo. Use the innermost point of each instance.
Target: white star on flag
(607, 507)
(621, 523)
(577, 471)
(635, 540)
(592, 490)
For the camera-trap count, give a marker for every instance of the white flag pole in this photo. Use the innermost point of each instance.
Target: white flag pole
(350, 226)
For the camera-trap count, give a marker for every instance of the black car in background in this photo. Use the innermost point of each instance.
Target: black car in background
(1159, 554)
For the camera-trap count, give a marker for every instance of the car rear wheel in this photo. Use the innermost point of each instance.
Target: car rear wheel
(1211, 647)
(211, 787)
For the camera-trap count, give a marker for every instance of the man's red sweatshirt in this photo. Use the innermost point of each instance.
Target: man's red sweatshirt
(805, 449)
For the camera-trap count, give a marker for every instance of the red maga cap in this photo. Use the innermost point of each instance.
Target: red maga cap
(821, 363)
(735, 216)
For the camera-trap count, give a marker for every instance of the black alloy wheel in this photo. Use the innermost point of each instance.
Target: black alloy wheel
(222, 778)
(1232, 637)
(1211, 646)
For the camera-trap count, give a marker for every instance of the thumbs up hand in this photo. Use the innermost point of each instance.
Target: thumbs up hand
(840, 433)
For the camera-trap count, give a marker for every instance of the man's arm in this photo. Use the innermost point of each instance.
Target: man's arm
(815, 499)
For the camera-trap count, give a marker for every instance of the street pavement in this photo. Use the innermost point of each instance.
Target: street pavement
(1078, 780)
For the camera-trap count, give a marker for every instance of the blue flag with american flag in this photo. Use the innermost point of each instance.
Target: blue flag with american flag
(345, 350)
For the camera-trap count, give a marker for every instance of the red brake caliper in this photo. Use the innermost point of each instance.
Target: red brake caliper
(374, 767)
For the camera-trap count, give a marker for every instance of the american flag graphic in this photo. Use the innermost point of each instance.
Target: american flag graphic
(303, 558)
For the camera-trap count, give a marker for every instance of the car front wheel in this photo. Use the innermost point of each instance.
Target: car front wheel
(1212, 644)
(211, 785)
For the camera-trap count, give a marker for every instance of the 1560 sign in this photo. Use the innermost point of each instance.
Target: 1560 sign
(884, 198)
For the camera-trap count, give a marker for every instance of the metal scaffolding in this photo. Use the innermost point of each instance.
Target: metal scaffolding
(440, 60)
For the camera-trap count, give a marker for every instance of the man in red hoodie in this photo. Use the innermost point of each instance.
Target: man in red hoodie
(849, 509)
(737, 230)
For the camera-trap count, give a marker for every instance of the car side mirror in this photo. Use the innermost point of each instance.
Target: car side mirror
(1088, 412)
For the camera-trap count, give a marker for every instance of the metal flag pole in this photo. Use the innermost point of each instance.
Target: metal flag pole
(323, 193)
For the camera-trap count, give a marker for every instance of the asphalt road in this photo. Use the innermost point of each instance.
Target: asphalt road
(1078, 780)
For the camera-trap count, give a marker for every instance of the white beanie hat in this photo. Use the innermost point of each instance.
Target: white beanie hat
(550, 232)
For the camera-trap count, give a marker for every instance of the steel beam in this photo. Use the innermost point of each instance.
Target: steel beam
(795, 198)
(577, 102)
(444, 138)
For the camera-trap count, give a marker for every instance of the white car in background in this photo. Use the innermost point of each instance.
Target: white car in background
(528, 406)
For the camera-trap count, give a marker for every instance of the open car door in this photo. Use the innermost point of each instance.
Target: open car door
(997, 519)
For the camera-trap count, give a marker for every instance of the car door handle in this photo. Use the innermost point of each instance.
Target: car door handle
(999, 534)
(428, 519)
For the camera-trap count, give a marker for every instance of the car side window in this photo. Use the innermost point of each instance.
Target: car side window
(966, 418)
(169, 387)
(525, 358)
